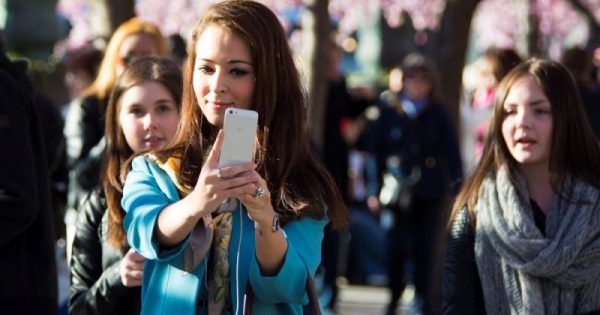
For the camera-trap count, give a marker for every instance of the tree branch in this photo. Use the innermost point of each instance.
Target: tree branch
(592, 22)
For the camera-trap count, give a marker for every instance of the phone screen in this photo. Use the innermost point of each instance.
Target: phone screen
(239, 127)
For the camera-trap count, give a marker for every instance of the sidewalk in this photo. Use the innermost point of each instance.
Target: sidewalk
(368, 300)
(352, 299)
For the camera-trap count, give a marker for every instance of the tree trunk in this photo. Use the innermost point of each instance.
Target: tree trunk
(450, 55)
(106, 15)
(594, 40)
(534, 46)
(452, 43)
(316, 30)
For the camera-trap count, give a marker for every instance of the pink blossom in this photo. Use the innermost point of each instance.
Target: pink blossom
(498, 23)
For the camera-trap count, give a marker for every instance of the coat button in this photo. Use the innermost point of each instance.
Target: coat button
(430, 162)
(414, 149)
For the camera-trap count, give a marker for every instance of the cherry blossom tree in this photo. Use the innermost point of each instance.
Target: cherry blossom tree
(541, 27)
(94, 19)
(496, 22)
(77, 12)
(553, 25)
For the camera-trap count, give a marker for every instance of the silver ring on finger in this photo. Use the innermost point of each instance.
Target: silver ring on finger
(219, 175)
(259, 192)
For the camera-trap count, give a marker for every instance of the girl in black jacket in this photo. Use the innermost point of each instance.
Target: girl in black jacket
(142, 114)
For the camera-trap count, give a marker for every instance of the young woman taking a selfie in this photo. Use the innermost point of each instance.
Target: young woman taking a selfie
(201, 260)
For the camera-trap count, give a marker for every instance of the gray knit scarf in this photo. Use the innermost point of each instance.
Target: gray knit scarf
(524, 272)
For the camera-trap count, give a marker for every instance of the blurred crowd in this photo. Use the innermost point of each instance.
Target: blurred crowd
(396, 154)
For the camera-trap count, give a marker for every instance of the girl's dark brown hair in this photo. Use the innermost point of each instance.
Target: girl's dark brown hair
(574, 151)
(118, 152)
(298, 182)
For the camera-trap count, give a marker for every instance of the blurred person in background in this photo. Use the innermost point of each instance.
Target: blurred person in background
(415, 142)
(342, 107)
(367, 257)
(27, 259)
(476, 108)
(142, 114)
(52, 126)
(177, 49)
(81, 67)
(579, 63)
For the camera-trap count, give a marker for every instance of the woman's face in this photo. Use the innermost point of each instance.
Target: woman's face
(527, 126)
(223, 73)
(148, 116)
(416, 85)
(133, 46)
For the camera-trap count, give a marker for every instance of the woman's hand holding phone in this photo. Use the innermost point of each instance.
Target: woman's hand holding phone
(216, 184)
(178, 219)
(228, 172)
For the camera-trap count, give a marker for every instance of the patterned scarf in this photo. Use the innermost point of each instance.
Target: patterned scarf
(524, 271)
(209, 231)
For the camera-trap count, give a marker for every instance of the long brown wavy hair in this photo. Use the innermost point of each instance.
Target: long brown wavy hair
(574, 149)
(118, 152)
(298, 181)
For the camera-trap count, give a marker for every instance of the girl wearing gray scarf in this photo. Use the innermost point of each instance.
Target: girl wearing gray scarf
(524, 233)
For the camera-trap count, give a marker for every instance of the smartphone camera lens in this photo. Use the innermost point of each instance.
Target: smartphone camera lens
(231, 111)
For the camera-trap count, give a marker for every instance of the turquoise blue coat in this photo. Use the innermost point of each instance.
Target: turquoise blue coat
(168, 289)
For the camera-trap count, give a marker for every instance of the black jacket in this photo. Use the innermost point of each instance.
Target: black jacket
(96, 286)
(462, 290)
(85, 122)
(428, 142)
(27, 260)
(84, 129)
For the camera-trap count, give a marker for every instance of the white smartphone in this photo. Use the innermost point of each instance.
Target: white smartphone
(239, 127)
